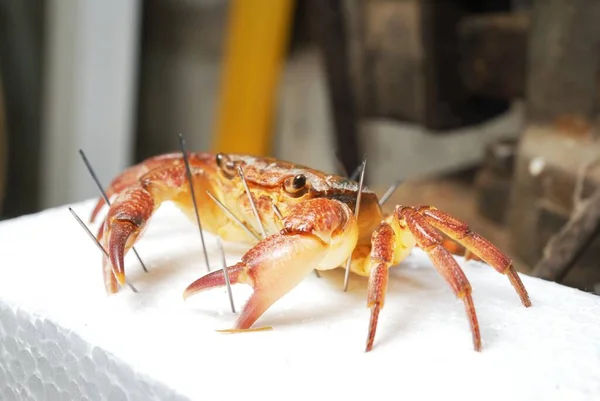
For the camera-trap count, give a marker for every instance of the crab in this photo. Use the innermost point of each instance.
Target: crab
(309, 223)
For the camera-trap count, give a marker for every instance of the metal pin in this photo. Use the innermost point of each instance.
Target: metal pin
(277, 211)
(252, 204)
(97, 181)
(356, 209)
(98, 244)
(356, 172)
(189, 176)
(233, 216)
(226, 274)
(389, 192)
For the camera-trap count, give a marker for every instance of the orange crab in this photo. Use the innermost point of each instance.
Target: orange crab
(317, 230)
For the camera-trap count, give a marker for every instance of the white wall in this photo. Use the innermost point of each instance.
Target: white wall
(92, 49)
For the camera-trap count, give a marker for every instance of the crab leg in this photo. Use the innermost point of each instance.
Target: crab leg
(317, 234)
(382, 257)
(430, 241)
(482, 248)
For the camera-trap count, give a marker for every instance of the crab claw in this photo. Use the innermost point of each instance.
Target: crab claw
(120, 232)
(123, 226)
(317, 234)
(217, 279)
(273, 268)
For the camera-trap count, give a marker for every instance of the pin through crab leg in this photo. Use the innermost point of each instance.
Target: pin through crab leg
(97, 181)
(252, 204)
(189, 176)
(356, 210)
(82, 224)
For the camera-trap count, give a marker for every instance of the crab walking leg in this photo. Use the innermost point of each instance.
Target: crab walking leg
(430, 241)
(382, 257)
(473, 242)
(317, 234)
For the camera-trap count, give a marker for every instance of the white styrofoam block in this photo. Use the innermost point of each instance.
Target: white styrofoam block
(61, 337)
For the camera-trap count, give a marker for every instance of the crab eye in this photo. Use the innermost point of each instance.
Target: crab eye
(299, 182)
(226, 165)
(295, 185)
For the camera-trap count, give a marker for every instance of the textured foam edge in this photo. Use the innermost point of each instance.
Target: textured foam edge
(41, 360)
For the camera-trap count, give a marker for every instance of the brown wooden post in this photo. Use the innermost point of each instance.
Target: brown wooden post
(561, 127)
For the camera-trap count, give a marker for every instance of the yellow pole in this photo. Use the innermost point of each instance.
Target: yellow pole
(255, 45)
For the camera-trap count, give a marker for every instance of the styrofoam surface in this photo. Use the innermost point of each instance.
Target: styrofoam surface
(61, 337)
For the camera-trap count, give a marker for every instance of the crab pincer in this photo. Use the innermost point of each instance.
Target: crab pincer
(317, 234)
(123, 226)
